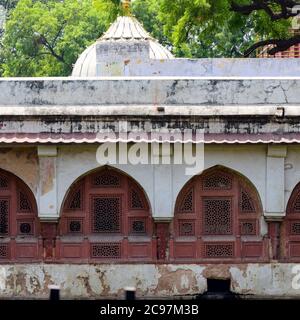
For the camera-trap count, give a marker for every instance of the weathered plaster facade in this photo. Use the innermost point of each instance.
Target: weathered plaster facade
(23, 162)
(98, 281)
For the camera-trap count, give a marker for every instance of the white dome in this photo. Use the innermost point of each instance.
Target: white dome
(85, 65)
(124, 29)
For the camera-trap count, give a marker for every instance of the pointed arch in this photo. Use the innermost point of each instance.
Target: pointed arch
(291, 227)
(19, 223)
(106, 216)
(217, 216)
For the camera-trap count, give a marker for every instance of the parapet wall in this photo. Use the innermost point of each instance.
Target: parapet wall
(149, 91)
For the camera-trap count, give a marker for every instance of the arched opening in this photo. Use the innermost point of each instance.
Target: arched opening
(106, 217)
(291, 227)
(19, 224)
(217, 217)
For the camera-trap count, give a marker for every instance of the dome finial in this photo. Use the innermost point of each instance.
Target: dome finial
(126, 4)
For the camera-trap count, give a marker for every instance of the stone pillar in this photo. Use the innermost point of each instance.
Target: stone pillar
(275, 184)
(163, 199)
(275, 191)
(48, 183)
(48, 210)
(163, 183)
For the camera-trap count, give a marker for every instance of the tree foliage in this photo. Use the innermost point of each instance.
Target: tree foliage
(222, 27)
(45, 37)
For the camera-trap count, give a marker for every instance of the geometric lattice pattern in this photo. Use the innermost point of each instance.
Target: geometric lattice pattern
(113, 213)
(224, 215)
(26, 228)
(138, 226)
(295, 228)
(296, 206)
(248, 227)
(135, 200)
(218, 250)
(3, 182)
(291, 238)
(217, 181)
(106, 179)
(75, 226)
(75, 203)
(187, 204)
(24, 203)
(106, 250)
(106, 215)
(246, 203)
(3, 251)
(187, 228)
(4, 210)
(217, 216)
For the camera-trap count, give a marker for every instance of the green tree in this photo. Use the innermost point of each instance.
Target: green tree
(147, 12)
(5, 7)
(227, 27)
(44, 38)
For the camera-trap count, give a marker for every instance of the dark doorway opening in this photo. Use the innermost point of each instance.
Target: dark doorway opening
(218, 286)
(218, 289)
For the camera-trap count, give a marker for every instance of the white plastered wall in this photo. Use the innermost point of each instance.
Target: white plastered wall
(261, 164)
(162, 183)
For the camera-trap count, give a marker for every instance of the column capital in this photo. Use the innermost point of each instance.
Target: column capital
(274, 216)
(277, 151)
(162, 219)
(47, 151)
(49, 219)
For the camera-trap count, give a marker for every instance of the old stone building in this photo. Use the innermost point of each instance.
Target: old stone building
(292, 52)
(68, 219)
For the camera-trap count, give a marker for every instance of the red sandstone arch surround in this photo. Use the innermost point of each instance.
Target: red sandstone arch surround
(291, 228)
(106, 217)
(217, 218)
(19, 225)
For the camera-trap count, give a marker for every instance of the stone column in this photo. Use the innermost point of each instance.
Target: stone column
(163, 199)
(48, 210)
(163, 183)
(275, 191)
(48, 183)
(275, 181)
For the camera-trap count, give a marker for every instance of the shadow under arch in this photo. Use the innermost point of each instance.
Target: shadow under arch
(19, 222)
(217, 218)
(106, 216)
